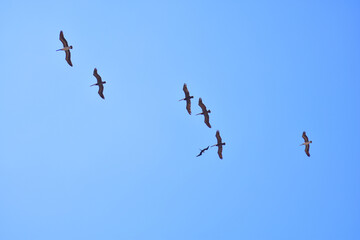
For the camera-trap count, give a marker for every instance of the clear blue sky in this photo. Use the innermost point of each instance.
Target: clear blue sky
(75, 166)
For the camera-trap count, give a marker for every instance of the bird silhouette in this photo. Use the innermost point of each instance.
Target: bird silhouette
(219, 144)
(187, 98)
(204, 112)
(306, 143)
(66, 48)
(201, 151)
(99, 83)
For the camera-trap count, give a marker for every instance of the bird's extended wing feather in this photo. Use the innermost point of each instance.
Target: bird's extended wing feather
(101, 89)
(219, 140)
(206, 119)
(220, 151)
(186, 91)
(98, 78)
(63, 40)
(188, 106)
(201, 104)
(68, 57)
(307, 148)
(306, 139)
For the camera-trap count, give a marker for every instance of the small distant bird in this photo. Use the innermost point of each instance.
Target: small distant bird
(204, 112)
(187, 98)
(99, 83)
(66, 48)
(219, 144)
(306, 143)
(201, 151)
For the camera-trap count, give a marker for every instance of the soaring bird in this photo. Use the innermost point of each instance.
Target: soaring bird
(187, 98)
(201, 151)
(204, 112)
(219, 144)
(306, 143)
(99, 83)
(66, 48)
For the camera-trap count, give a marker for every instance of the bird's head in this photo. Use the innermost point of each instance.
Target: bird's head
(104, 82)
(223, 143)
(310, 142)
(70, 47)
(209, 111)
(191, 96)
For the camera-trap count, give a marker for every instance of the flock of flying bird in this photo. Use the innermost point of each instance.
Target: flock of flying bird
(187, 98)
(67, 48)
(204, 112)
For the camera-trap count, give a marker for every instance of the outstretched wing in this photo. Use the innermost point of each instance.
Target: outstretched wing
(220, 151)
(188, 106)
(98, 78)
(201, 104)
(186, 91)
(307, 148)
(63, 40)
(101, 89)
(219, 140)
(306, 139)
(68, 57)
(206, 119)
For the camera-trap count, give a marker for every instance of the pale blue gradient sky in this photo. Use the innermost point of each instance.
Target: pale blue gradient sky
(74, 166)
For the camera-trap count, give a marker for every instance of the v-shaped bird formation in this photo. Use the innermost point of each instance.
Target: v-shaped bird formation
(204, 111)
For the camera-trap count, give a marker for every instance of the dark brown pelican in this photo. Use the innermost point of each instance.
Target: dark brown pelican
(219, 144)
(201, 151)
(187, 98)
(204, 112)
(306, 143)
(99, 83)
(66, 48)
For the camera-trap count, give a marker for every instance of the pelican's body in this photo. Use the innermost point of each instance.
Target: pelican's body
(66, 48)
(187, 98)
(306, 143)
(99, 83)
(204, 112)
(219, 144)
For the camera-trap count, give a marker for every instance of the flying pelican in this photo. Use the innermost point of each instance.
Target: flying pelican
(99, 83)
(204, 112)
(219, 144)
(202, 150)
(187, 98)
(306, 143)
(66, 48)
